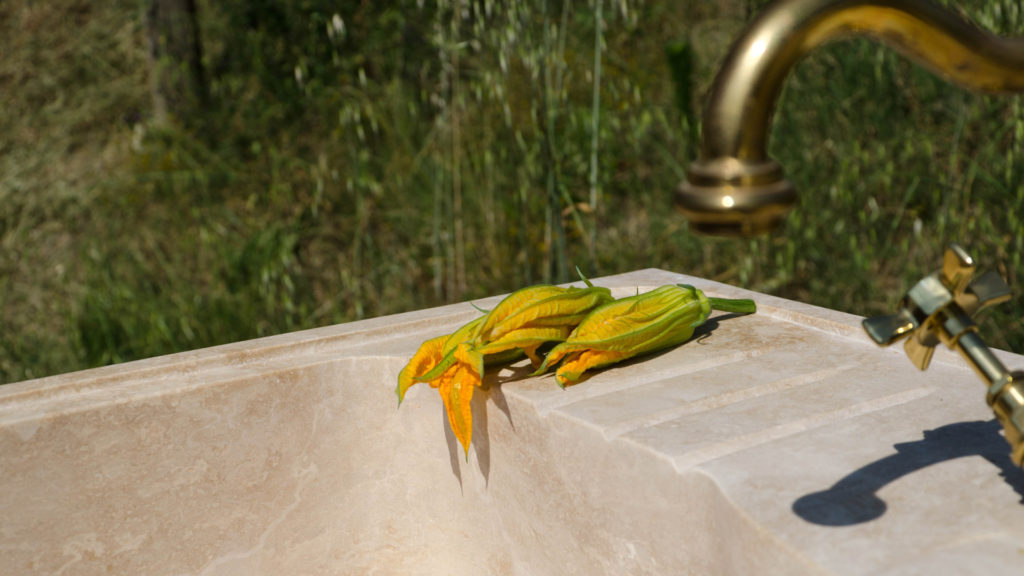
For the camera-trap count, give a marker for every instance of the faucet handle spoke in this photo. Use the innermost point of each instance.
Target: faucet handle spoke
(939, 308)
(885, 330)
(920, 347)
(987, 290)
(957, 268)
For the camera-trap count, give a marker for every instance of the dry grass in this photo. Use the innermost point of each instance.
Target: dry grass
(71, 77)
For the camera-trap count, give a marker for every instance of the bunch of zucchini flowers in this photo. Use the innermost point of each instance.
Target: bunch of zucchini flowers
(588, 328)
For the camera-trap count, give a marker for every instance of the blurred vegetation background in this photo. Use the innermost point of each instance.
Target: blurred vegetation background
(345, 159)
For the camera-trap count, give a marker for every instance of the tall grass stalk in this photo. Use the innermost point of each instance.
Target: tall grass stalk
(459, 280)
(595, 128)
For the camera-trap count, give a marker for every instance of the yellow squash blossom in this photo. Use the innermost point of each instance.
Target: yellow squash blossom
(636, 325)
(430, 354)
(521, 323)
(529, 318)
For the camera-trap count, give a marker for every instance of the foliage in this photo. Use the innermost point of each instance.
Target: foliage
(364, 158)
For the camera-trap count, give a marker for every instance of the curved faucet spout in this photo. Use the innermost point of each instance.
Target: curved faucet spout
(735, 187)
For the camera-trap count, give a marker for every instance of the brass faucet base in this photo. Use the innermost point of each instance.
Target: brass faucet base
(734, 198)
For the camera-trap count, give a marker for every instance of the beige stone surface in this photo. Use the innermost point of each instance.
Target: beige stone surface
(779, 443)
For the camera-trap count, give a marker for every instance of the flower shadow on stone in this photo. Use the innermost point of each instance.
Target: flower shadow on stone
(489, 397)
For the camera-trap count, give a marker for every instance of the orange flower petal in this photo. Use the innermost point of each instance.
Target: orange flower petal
(456, 389)
(578, 363)
(428, 355)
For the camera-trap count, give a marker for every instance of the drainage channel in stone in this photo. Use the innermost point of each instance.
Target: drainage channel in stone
(720, 400)
(594, 389)
(763, 436)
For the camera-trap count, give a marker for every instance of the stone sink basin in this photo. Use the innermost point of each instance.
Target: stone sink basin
(779, 443)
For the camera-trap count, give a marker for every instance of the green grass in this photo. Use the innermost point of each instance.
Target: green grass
(384, 181)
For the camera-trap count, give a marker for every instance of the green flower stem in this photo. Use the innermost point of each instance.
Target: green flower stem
(736, 306)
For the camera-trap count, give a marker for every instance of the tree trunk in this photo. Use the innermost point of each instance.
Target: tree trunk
(176, 76)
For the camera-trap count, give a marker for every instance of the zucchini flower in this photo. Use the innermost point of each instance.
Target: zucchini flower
(529, 318)
(635, 325)
(430, 354)
(521, 323)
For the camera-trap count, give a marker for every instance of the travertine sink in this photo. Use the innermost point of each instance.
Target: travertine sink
(779, 443)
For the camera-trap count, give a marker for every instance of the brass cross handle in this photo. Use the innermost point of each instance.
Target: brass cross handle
(940, 308)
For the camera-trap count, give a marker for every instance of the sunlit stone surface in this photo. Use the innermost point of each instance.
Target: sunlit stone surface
(779, 443)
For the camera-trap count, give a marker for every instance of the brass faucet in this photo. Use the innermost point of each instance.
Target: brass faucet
(735, 188)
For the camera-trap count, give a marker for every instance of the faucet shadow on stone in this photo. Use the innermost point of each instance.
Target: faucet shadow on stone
(735, 188)
(854, 499)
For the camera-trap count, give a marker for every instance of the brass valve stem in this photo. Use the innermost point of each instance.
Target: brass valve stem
(1005, 389)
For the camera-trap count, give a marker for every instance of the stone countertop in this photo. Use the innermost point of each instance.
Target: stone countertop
(782, 442)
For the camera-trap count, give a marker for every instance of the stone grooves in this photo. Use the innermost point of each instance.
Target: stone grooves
(590, 389)
(751, 439)
(724, 399)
